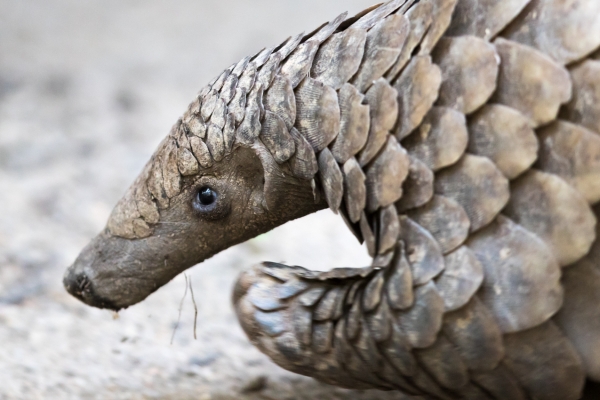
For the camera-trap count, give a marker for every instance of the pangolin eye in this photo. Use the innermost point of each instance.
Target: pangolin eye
(206, 196)
(209, 203)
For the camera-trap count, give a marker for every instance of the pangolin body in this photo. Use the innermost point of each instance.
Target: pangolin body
(460, 140)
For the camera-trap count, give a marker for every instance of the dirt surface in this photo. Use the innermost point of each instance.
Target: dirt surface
(87, 91)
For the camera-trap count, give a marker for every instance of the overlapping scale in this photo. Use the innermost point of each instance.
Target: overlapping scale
(500, 383)
(440, 140)
(477, 185)
(442, 16)
(469, 72)
(461, 277)
(383, 112)
(420, 17)
(423, 252)
(445, 219)
(531, 82)
(484, 18)
(355, 190)
(399, 286)
(444, 364)
(584, 107)
(565, 30)
(303, 162)
(578, 318)
(338, 59)
(386, 174)
(421, 323)
(170, 171)
(548, 206)
(383, 46)
(317, 113)
(505, 136)
(280, 100)
(545, 363)
(474, 332)
(418, 88)
(417, 189)
(214, 142)
(274, 134)
(332, 179)
(354, 124)
(573, 153)
(521, 283)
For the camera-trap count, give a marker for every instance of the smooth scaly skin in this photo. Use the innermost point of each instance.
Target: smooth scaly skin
(458, 139)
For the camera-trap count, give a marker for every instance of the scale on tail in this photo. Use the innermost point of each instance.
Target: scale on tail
(459, 139)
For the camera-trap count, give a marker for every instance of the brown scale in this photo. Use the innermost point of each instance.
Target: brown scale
(469, 72)
(418, 186)
(460, 141)
(354, 124)
(505, 136)
(460, 278)
(384, 43)
(423, 252)
(383, 112)
(583, 107)
(417, 87)
(440, 140)
(578, 313)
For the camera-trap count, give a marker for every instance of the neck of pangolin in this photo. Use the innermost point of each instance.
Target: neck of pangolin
(416, 121)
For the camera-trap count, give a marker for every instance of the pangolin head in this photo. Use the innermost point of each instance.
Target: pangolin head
(203, 190)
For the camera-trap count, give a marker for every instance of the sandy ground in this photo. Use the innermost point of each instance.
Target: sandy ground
(87, 90)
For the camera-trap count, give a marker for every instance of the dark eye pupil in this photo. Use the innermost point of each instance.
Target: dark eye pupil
(206, 196)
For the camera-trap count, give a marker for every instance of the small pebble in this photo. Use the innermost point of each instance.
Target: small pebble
(256, 384)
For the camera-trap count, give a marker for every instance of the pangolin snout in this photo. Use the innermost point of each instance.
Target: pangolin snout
(113, 272)
(81, 278)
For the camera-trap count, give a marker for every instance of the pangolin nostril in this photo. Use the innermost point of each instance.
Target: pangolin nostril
(76, 283)
(83, 282)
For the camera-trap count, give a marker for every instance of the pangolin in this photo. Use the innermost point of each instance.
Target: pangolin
(458, 139)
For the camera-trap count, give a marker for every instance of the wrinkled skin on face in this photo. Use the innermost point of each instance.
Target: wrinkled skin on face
(248, 194)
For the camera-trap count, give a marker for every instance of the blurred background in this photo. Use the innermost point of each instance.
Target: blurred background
(87, 91)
